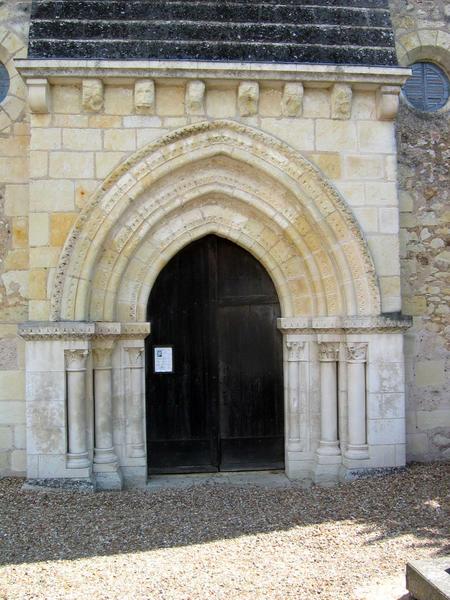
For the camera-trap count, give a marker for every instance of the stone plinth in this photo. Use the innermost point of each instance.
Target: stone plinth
(429, 579)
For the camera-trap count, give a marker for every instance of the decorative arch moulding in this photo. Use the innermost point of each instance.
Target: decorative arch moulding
(13, 105)
(224, 178)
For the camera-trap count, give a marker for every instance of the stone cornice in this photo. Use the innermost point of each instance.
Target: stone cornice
(76, 330)
(125, 72)
(344, 325)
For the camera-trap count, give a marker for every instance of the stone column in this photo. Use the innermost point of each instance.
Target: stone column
(77, 457)
(294, 354)
(356, 389)
(328, 357)
(135, 402)
(105, 459)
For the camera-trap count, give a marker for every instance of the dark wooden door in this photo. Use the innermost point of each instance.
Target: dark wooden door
(222, 407)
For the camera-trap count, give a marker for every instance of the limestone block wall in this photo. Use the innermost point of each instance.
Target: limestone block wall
(14, 280)
(82, 128)
(78, 143)
(422, 31)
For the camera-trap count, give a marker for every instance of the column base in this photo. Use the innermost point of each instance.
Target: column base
(327, 475)
(329, 448)
(104, 456)
(137, 451)
(78, 461)
(134, 477)
(357, 451)
(109, 480)
(295, 446)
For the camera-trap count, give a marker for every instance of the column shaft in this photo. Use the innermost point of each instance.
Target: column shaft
(356, 404)
(135, 404)
(328, 356)
(356, 374)
(295, 353)
(104, 451)
(76, 409)
(293, 384)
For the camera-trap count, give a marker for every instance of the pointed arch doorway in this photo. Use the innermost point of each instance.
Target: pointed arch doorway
(221, 409)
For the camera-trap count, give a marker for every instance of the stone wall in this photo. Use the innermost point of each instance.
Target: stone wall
(76, 145)
(422, 31)
(74, 148)
(14, 140)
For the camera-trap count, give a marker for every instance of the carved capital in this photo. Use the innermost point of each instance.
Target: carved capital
(92, 95)
(248, 98)
(195, 98)
(38, 95)
(292, 102)
(341, 101)
(356, 352)
(102, 357)
(144, 96)
(135, 357)
(295, 350)
(75, 360)
(328, 351)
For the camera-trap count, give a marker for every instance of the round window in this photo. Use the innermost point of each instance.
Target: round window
(4, 82)
(428, 88)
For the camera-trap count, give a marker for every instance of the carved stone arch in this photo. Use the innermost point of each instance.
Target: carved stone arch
(12, 107)
(424, 44)
(224, 178)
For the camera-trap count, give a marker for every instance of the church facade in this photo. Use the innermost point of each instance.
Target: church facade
(202, 256)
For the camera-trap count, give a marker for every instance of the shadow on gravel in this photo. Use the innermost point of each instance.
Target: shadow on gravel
(41, 526)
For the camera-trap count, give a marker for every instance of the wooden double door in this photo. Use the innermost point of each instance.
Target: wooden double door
(214, 309)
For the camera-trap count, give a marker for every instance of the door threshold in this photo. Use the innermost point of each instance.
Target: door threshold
(271, 479)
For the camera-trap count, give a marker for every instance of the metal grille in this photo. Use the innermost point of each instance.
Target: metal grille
(428, 88)
(4, 82)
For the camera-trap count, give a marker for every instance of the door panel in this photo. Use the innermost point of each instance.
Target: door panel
(179, 421)
(222, 408)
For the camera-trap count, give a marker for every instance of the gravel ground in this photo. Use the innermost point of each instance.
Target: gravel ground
(227, 542)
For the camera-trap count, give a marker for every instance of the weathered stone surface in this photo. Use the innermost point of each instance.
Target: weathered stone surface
(423, 154)
(341, 101)
(429, 579)
(250, 182)
(92, 95)
(144, 96)
(253, 31)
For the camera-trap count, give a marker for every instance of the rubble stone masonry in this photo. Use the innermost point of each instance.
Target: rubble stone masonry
(423, 141)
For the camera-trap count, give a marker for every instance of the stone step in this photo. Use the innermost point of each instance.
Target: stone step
(308, 31)
(429, 579)
(194, 31)
(232, 51)
(254, 12)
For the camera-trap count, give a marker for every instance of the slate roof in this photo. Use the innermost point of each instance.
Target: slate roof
(356, 32)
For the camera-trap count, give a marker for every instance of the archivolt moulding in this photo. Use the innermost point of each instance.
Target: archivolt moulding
(424, 44)
(12, 107)
(224, 178)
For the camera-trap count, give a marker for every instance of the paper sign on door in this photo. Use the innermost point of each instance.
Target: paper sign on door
(163, 359)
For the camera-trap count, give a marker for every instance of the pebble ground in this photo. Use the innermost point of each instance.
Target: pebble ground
(350, 542)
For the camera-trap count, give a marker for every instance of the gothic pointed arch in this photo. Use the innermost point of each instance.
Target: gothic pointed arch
(224, 178)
